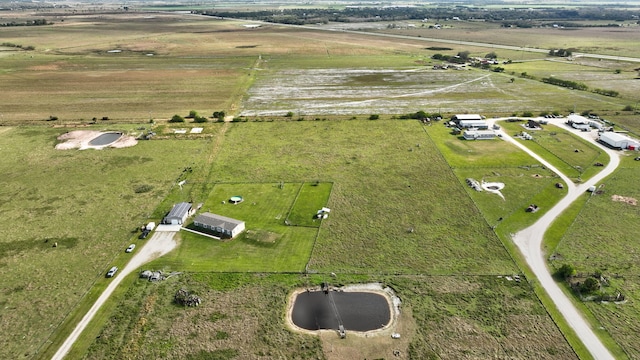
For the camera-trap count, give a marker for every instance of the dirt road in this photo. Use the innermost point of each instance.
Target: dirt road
(529, 241)
(159, 244)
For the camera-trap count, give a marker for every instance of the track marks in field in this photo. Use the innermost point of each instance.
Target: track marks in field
(411, 94)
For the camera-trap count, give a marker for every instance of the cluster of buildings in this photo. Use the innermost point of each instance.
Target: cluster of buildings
(472, 126)
(221, 226)
(615, 140)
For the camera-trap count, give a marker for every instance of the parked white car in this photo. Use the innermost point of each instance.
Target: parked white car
(112, 271)
(130, 248)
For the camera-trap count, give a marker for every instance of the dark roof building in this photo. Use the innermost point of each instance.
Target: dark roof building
(178, 214)
(225, 226)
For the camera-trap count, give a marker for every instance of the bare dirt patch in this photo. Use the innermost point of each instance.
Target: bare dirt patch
(625, 199)
(79, 139)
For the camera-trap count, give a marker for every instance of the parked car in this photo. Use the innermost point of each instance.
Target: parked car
(130, 248)
(112, 271)
(144, 234)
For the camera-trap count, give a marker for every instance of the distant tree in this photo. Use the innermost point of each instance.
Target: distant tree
(374, 117)
(527, 114)
(421, 115)
(618, 71)
(200, 119)
(464, 55)
(491, 55)
(52, 118)
(176, 118)
(498, 69)
(512, 79)
(192, 114)
(628, 108)
(289, 114)
(219, 115)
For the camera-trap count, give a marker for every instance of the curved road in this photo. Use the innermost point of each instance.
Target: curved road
(160, 243)
(529, 241)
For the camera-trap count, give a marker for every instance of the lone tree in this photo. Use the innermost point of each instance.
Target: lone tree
(590, 285)
(176, 118)
(219, 115)
(566, 271)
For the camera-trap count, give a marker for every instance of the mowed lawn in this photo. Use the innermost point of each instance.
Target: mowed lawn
(572, 155)
(267, 245)
(396, 206)
(89, 203)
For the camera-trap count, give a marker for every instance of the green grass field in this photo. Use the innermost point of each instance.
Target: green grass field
(267, 245)
(400, 210)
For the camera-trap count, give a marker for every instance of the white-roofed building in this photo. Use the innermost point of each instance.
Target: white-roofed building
(619, 141)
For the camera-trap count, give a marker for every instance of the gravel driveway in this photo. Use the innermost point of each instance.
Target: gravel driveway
(529, 241)
(159, 244)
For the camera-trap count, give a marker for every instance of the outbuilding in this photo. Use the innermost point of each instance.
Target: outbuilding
(479, 134)
(475, 124)
(460, 117)
(619, 141)
(225, 226)
(178, 214)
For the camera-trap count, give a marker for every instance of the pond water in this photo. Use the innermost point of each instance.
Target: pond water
(105, 139)
(359, 311)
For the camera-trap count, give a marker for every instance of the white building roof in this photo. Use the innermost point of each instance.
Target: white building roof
(615, 137)
(577, 119)
(468, 117)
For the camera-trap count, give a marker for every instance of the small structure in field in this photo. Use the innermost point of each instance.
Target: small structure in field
(225, 226)
(178, 214)
(236, 199)
(323, 213)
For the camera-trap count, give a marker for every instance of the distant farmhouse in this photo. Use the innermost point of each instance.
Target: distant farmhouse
(178, 214)
(224, 226)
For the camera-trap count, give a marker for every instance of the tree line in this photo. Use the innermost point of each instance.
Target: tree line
(508, 17)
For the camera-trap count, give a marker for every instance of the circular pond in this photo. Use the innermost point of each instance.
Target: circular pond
(105, 139)
(357, 311)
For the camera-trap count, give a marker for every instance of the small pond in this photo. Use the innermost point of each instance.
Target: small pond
(359, 311)
(105, 139)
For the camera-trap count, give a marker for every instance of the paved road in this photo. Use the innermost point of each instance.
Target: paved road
(529, 241)
(159, 244)
(338, 28)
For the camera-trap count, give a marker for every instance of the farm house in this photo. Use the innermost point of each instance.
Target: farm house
(178, 214)
(223, 225)
(478, 134)
(619, 141)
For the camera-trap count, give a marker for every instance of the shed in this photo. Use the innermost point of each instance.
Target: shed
(225, 226)
(178, 214)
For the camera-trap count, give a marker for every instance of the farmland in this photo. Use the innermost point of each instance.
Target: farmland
(401, 213)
